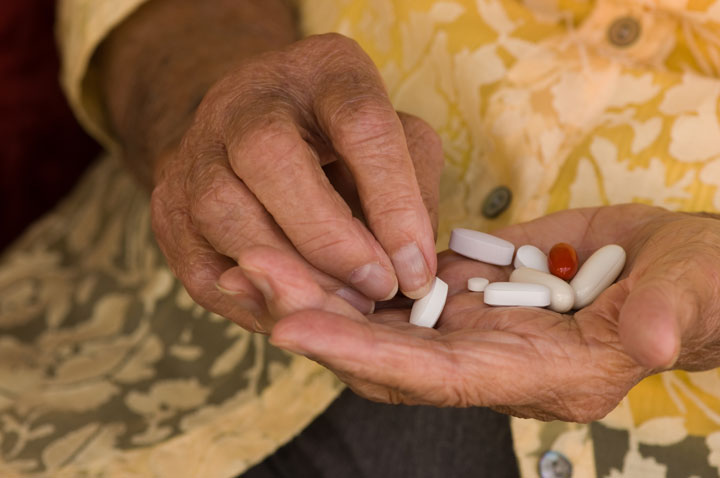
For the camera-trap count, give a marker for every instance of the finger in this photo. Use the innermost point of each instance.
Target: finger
(425, 148)
(651, 321)
(198, 266)
(229, 216)
(293, 293)
(288, 285)
(283, 173)
(289, 289)
(367, 133)
(427, 156)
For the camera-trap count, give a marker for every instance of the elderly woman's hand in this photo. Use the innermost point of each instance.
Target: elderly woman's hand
(664, 312)
(249, 171)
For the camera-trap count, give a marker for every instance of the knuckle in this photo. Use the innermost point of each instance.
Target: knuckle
(363, 118)
(259, 90)
(271, 132)
(213, 198)
(158, 205)
(198, 278)
(164, 216)
(332, 43)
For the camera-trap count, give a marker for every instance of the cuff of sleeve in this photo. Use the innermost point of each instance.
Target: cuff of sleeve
(82, 25)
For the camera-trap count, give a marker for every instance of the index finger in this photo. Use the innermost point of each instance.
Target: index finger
(354, 110)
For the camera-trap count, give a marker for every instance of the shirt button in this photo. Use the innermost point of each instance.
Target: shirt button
(554, 465)
(496, 202)
(624, 31)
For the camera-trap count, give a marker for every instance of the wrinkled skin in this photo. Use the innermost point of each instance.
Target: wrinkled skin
(300, 149)
(296, 167)
(662, 313)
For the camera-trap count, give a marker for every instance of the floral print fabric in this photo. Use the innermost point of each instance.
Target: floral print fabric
(536, 95)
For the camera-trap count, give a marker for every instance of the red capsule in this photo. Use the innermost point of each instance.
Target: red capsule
(563, 261)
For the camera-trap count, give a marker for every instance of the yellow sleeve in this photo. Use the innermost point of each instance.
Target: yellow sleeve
(81, 27)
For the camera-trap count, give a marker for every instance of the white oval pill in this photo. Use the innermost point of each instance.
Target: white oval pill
(597, 273)
(426, 311)
(562, 296)
(532, 257)
(477, 284)
(482, 247)
(517, 293)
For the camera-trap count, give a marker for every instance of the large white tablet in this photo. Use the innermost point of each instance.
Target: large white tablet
(517, 293)
(426, 311)
(482, 247)
(597, 274)
(562, 296)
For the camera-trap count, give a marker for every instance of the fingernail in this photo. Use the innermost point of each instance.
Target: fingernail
(374, 281)
(259, 280)
(225, 291)
(412, 271)
(243, 300)
(357, 300)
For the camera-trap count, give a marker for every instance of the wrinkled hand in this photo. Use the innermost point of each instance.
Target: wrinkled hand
(664, 312)
(250, 172)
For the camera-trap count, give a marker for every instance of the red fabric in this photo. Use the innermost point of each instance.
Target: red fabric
(42, 148)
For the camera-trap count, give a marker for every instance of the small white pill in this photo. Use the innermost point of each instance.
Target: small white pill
(597, 274)
(562, 296)
(517, 293)
(532, 257)
(426, 311)
(482, 247)
(477, 284)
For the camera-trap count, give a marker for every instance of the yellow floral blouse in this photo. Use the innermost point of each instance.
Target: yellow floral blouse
(105, 362)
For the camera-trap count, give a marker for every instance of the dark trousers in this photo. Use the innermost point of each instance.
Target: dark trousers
(355, 438)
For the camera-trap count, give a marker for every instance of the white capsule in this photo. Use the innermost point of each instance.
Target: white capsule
(597, 273)
(532, 257)
(517, 293)
(562, 296)
(482, 247)
(426, 311)
(477, 284)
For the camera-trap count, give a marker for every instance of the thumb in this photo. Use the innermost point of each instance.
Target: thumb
(652, 320)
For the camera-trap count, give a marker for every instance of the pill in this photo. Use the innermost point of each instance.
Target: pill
(482, 247)
(562, 295)
(597, 274)
(477, 284)
(426, 311)
(517, 293)
(532, 257)
(563, 261)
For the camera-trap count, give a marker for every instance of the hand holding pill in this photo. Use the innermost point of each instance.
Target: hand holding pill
(300, 149)
(663, 312)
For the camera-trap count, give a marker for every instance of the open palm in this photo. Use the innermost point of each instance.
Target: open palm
(525, 361)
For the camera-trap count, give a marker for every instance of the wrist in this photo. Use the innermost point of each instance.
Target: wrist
(157, 66)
